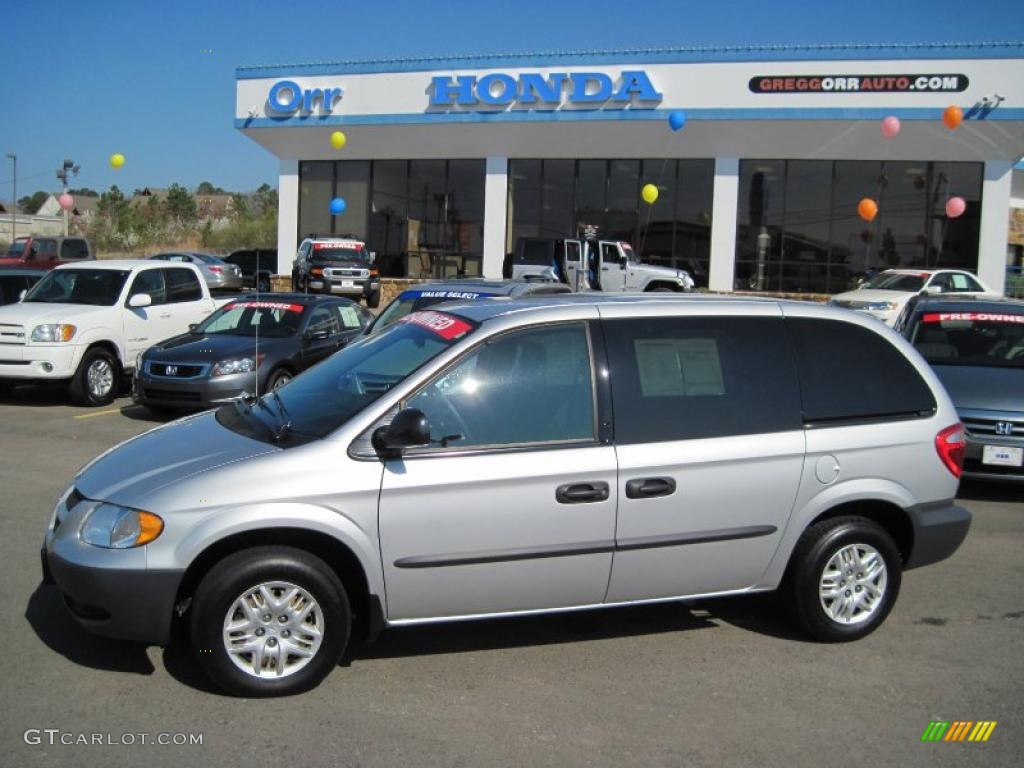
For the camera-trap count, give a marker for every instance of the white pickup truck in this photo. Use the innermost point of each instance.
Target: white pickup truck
(85, 323)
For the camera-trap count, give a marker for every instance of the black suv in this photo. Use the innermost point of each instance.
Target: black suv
(337, 265)
(257, 265)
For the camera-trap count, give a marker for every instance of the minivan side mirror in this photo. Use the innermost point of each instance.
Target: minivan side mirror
(408, 429)
(140, 300)
(932, 290)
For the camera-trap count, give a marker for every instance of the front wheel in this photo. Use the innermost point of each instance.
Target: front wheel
(278, 379)
(270, 621)
(373, 300)
(96, 380)
(843, 578)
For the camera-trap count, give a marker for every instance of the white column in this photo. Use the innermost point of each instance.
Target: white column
(723, 224)
(495, 215)
(287, 214)
(995, 224)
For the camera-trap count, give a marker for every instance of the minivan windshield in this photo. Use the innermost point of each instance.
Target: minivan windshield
(323, 398)
(896, 281)
(993, 339)
(97, 287)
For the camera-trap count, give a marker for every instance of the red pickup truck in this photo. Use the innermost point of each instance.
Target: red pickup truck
(46, 252)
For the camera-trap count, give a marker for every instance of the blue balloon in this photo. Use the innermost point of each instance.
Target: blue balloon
(338, 205)
(676, 120)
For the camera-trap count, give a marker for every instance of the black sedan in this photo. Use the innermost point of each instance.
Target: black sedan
(249, 346)
(976, 347)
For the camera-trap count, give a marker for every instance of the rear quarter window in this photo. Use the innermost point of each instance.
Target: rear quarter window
(850, 373)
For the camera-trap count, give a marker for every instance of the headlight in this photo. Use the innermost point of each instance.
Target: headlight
(237, 365)
(117, 527)
(53, 332)
(880, 305)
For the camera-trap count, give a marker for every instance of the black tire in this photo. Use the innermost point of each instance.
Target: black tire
(263, 284)
(661, 289)
(816, 547)
(279, 378)
(243, 571)
(6, 386)
(373, 300)
(79, 388)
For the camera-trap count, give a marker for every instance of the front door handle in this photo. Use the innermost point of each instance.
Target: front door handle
(580, 493)
(165, 316)
(648, 487)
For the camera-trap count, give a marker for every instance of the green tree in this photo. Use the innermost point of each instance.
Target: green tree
(206, 188)
(84, 191)
(265, 200)
(180, 205)
(31, 203)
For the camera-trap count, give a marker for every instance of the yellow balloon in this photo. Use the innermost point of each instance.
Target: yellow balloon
(649, 193)
(116, 160)
(338, 139)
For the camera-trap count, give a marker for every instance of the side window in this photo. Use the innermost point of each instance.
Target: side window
(524, 387)
(150, 281)
(682, 378)
(349, 317)
(47, 248)
(850, 373)
(609, 253)
(964, 282)
(942, 282)
(182, 285)
(74, 249)
(324, 319)
(572, 253)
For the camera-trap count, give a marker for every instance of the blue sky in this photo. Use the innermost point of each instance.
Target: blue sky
(87, 79)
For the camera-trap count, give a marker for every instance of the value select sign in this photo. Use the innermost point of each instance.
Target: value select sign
(858, 83)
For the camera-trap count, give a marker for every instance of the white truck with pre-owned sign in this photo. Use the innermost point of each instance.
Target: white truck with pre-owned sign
(85, 323)
(611, 266)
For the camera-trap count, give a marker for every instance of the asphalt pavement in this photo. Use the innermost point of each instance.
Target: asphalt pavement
(716, 683)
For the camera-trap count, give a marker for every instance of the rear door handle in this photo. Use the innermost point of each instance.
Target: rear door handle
(648, 487)
(165, 316)
(580, 493)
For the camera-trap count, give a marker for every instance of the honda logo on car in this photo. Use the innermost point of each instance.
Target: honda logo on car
(591, 90)
(1004, 428)
(858, 83)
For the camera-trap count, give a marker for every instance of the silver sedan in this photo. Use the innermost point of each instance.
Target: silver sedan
(219, 274)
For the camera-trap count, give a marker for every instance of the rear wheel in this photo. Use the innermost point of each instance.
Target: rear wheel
(6, 386)
(843, 578)
(97, 378)
(270, 621)
(373, 300)
(660, 289)
(263, 284)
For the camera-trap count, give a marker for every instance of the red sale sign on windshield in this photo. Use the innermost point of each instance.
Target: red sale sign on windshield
(445, 326)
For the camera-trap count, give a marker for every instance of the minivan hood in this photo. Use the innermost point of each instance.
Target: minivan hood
(131, 471)
(988, 389)
(31, 313)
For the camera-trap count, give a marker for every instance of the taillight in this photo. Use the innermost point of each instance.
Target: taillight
(216, 270)
(951, 443)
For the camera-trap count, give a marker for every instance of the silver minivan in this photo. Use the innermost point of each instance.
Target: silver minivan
(495, 459)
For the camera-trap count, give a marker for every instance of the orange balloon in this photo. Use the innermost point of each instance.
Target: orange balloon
(867, 209)
(952, 116)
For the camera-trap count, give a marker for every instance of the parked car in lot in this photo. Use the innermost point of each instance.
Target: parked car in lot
(337, 265)
(976, 347)
(432, 294)
(14, 281)
(218, 274)
(39, 252)
(258, 265)
(886, 294)
(251, 345)
(498, 458)
(86, 323)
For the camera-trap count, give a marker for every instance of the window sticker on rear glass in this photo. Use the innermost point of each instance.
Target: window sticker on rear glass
(448, 327)
(981, 317)
(266, 305)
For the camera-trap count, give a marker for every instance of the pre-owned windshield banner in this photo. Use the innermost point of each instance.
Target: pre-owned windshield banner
(980, 317)
(266, 305)
(448, 327)
(858, 83)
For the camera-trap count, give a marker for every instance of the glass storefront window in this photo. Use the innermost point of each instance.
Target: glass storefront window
(388, 214)
(316, 185)
(798, 227)
(352, 184)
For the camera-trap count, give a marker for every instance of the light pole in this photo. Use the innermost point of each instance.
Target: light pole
(14, 194)
(62, 174)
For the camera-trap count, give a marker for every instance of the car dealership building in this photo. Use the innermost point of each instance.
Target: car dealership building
(449, 162)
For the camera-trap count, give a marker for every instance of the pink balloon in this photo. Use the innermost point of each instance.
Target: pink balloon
(890, 126)
(955, 206)
(67, 202)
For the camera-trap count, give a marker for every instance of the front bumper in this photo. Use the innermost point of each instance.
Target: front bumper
(345, 286)
(127, 605)
(38, 361)
(205, 392)
(939, 528)
(976, 470)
